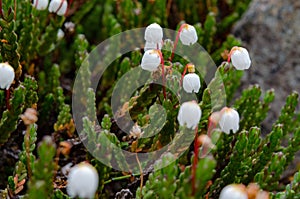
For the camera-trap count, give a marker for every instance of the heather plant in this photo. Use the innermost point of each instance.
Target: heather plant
(182, 132)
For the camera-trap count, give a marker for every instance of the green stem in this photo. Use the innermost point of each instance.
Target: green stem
(119, 178)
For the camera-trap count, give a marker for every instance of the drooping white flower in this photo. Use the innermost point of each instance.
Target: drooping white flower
(152, 46)
(188, 35)
(153, 33)
(82, 181)
(7, 75)
(151, 60)
(234, 191)
(189, 114)
(58, 6)
(191, 83)
(229, 120)
(40, 4)
(240, 58)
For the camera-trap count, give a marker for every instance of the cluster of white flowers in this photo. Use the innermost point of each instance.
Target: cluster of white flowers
(7, 75)
(56, 6)
(83, 181)
(154, 41)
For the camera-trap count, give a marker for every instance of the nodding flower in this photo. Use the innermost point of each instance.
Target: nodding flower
(189, 114)
(229, 120)
(188, 35)
(59, 7)
(7, 75)
(40, 4)
(82, 181)
(234, 191)
(153, 33)
(191, 81)
(151, 60)
(240, 58)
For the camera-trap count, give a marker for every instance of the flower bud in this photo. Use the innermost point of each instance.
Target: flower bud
(136, 131)
(188, 35)
(234, 191)
(151, 60)
(153, 33)
(60, 34)
(240, 58)
(229, 120)
(29, 116)
(189, 114)
(82, 181)
(40, 4)
(58, 6)
(7, 75)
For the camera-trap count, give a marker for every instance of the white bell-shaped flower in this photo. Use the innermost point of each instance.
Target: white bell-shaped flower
(189, 114)
(234, 191)
(7, 75)
(191, 83)
(153, 33)
(59, 7)
(229, 120)
(188, 35)
(152, 46)
(40, 4)
(240, 58)
(151, 60)
(82, 181)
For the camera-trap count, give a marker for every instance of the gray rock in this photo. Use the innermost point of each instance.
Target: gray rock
(270, 30)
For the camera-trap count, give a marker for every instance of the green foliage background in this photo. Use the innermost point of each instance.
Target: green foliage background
(45, 69)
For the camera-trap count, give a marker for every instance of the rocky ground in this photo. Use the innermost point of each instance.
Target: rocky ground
(270, 29)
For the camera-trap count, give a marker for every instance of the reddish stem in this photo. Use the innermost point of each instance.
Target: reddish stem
(162, 62)
(60, 5)
(69, 6)
(176, 41)
(183, 74)
(195, 162)
(1, 11)
(7, 99)
(36, 3)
